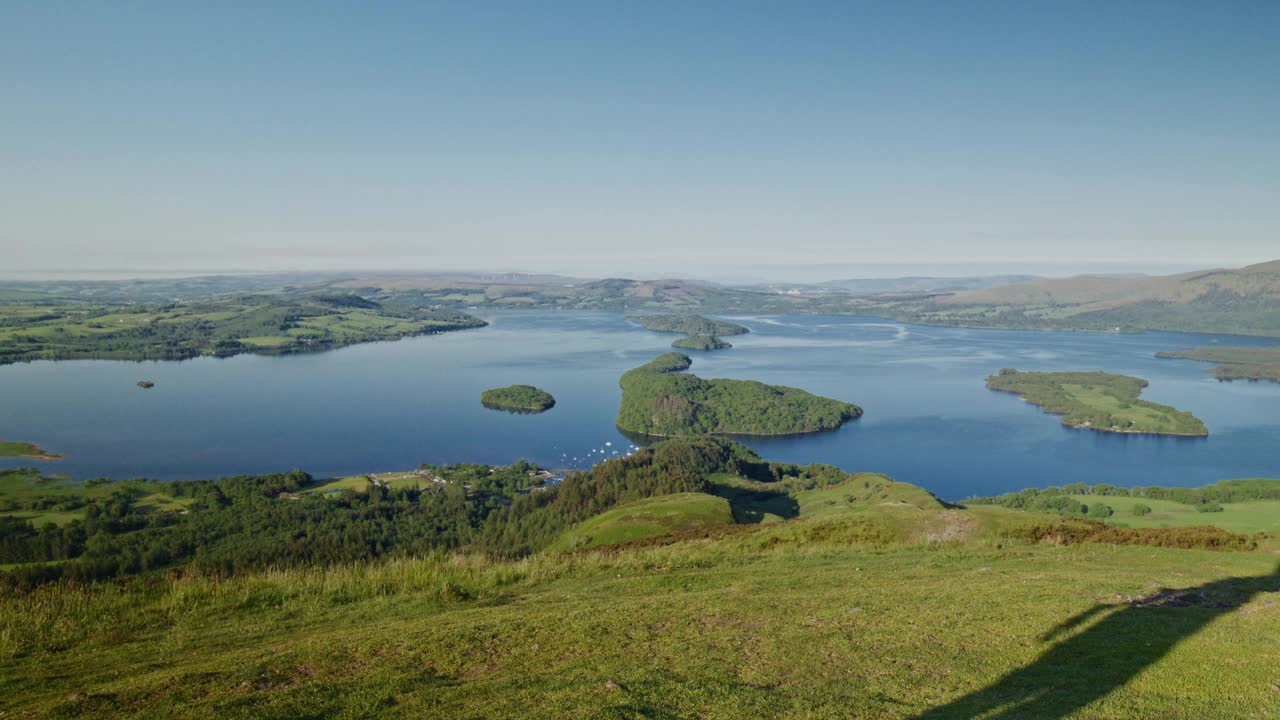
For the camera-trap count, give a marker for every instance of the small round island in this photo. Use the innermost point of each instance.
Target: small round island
(518, 399)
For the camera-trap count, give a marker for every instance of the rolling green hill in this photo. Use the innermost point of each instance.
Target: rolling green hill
(702, 581)
(656, 401)
(1243, 301)
(647, 518)
(881, 609)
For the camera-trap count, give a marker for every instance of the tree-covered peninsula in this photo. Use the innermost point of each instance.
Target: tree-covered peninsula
(518, 398)
(657, 401)
(1235, 363)
(1098, 401)
(688, 324)
(26, 450)
(701, 342)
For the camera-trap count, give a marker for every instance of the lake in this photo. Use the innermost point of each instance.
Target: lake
(386, 406)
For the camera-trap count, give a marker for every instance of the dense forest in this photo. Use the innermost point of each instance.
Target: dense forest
(1235, 363)
(1097, 401)
(657, 401)
(265, 324)
(518, 398)
(243, 523)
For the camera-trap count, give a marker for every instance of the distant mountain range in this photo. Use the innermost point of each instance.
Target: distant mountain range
(1097, 292)
(1243, 301)
(898, 285)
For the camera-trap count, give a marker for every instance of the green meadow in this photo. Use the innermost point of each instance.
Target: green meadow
(1247, 517)
(770, 591)
(856, 612)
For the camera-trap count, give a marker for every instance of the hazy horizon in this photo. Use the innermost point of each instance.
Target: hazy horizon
(651, 140)
(757, 274)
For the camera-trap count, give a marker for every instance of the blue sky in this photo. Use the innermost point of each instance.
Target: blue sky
(596, 138)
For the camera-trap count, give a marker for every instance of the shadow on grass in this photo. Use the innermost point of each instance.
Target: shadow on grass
(1085, 666)
(753, 506)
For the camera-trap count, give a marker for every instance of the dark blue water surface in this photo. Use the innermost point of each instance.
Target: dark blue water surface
(386, 406)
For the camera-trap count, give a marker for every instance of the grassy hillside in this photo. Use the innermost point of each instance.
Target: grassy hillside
(1244, 301)
(1235, 363)
(647, 518)
(1097, 401)
(655, 401)
(1248, 517)
(703, 582)
(1246, 506)
(879, 611)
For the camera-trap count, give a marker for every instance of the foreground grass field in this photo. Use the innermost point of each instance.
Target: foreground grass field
(881, 610)
(1241, 517)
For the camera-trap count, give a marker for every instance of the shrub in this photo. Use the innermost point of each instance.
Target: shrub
(1088, 531)
(1098, 510)
(1209, 508)
(1141, 510)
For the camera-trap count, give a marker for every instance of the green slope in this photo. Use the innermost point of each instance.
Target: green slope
(843, 614)
(660, 515)
(1244, 301)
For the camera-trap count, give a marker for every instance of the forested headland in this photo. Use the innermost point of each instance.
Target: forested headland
(1235, 363)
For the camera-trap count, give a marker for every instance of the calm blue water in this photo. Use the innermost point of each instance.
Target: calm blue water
(385, 406)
